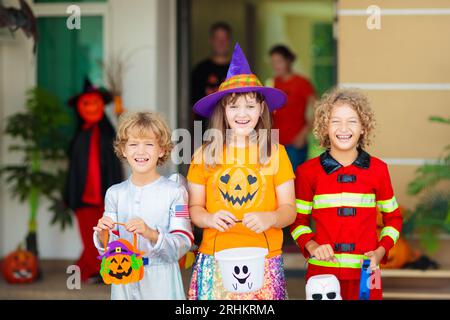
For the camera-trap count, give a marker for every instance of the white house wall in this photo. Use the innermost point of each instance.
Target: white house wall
(132, 27)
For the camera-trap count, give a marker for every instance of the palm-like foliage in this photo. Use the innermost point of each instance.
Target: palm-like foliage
(432, 214)
(38, 134)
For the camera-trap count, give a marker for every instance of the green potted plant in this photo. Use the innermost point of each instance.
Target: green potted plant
(431, 216)
(38, 135)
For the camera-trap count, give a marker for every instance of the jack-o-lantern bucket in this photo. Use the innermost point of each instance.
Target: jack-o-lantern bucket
(242, 269)
(122, 262)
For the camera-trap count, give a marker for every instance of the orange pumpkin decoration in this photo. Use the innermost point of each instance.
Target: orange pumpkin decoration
(240, 187)
(20, 266)
(401, 253)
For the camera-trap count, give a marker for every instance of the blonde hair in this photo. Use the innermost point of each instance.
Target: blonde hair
(212, 150)
(142, 124)
(337, 97)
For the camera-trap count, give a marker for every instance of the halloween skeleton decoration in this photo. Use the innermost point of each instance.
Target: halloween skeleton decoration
(323, 287)
(20, 266)
(22, 18)
(240, 187)
(121, 263)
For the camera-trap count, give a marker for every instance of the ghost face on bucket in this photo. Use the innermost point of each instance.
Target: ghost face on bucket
(242, 269)
(242, 274)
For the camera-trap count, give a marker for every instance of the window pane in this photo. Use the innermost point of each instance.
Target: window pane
(323, 57)
(66, 56)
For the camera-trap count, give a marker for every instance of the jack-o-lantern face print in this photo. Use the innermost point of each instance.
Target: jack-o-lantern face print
(121, 264)
(240, 187)
(91, 106)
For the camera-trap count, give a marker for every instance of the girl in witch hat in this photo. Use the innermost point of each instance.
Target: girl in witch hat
(241, 184)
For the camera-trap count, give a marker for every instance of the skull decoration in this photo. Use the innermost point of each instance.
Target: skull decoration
(121, 263)
(323, 287)
(240, 187)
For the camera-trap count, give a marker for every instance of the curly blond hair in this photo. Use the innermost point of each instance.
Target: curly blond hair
(142, 125)
(336, 97)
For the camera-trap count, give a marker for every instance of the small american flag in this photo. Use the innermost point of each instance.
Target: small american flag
(181, 211)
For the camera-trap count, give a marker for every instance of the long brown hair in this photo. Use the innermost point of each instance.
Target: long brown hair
(213, 148)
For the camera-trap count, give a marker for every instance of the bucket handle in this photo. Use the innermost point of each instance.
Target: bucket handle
(105, 238)
(239, 221)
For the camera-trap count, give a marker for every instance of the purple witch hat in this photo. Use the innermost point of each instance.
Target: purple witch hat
(120, 246)
(239, 79)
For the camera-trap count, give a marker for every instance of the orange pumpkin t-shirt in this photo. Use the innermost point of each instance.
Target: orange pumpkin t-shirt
(241, 185)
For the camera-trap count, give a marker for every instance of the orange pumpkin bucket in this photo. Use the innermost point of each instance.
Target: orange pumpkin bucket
(122, 262)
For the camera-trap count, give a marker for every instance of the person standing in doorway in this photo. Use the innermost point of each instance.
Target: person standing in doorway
(208, 75)
(211, 72)
(291, 119)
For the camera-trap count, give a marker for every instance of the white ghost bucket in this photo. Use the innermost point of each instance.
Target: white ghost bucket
(242, 269)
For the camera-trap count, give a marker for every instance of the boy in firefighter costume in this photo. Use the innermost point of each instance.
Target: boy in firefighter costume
(149, 205)
(93, 168)
(340, 190)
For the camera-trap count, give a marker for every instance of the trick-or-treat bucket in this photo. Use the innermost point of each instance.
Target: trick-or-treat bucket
(242, 269)
(122, 261)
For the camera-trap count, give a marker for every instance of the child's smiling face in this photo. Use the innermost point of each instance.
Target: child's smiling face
(243, 115)
(344, 128)
(142, 153)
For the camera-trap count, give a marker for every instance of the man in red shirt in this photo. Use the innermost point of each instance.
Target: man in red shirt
(291, 119)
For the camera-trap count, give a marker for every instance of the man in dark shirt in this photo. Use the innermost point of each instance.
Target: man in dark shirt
(211, 72)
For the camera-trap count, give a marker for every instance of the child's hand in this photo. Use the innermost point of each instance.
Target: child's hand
(322, 252)
(138, 225)
(104, 224)
(221, 220)
(259, 221)
(375, 257)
